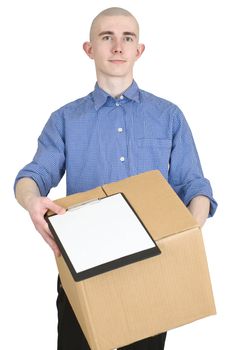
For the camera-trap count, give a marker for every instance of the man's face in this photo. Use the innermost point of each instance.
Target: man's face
(114, 46)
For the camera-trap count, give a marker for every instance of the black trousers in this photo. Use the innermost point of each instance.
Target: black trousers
(71, 337)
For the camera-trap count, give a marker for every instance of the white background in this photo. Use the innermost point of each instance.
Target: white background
(43, 67)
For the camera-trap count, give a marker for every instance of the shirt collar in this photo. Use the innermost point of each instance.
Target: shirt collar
(100, 96)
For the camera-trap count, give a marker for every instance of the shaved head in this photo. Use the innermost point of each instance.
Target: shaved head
(112, 11)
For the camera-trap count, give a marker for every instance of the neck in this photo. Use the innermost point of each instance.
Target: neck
(114, 86)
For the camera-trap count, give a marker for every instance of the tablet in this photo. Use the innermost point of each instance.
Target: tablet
(101, 235)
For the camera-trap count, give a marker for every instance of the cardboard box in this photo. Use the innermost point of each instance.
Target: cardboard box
(151, 296)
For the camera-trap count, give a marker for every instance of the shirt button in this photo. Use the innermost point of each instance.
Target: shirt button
(117, 104)
(122, 159)
(121, 97)
(119, 129)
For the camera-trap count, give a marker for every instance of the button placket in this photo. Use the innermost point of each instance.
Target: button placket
(121, 132)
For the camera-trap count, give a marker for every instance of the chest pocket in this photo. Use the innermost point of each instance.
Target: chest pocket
(153, 154)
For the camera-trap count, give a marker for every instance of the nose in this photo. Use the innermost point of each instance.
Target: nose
(117, 47)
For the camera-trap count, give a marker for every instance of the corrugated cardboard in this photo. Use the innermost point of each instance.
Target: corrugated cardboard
(145, 298)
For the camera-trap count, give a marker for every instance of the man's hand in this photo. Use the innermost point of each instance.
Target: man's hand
(37, 207)
(199, 208)
(28, 195)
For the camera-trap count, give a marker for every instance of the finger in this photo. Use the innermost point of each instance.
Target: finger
(42, 227)
(57, 209)
(54, 247)
(50, 241)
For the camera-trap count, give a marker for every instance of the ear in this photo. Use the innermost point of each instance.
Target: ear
(87, 47)
(140, 50)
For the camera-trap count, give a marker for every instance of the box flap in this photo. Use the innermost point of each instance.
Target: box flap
(155, 202)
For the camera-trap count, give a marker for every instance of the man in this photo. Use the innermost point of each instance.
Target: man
(116, 131)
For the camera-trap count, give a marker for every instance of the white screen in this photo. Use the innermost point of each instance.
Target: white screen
(100, 232)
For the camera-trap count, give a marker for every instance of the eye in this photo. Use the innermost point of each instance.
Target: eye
(106, 37)
(128, 38)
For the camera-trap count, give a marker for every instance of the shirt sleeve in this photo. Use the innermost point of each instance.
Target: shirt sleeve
(185, 172)
(48, 164)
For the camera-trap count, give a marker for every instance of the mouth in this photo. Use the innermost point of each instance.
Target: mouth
(117, 61)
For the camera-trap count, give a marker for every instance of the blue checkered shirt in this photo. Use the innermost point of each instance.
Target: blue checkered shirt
(99, 139)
